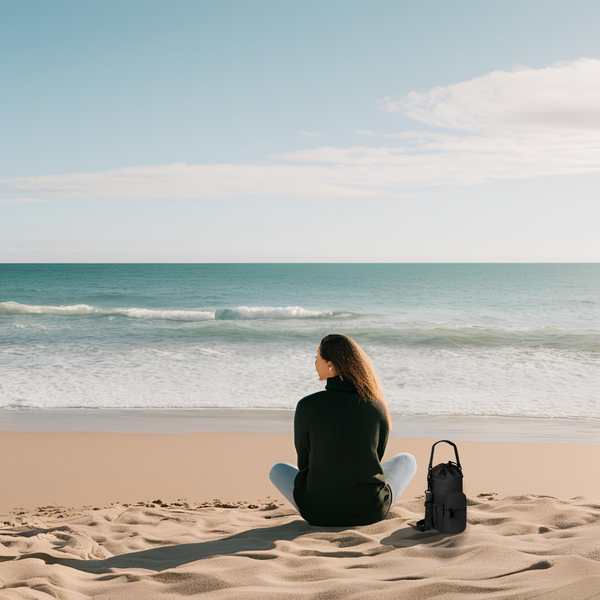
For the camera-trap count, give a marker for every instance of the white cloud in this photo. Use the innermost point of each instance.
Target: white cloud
(309, 133)
(563, 98)
(503, 125)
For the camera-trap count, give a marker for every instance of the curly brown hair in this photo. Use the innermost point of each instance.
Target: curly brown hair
(351, 362)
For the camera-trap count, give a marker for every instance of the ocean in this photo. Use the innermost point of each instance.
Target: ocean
(445, 339)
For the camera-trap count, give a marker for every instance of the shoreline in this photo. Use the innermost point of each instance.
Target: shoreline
(281, 421)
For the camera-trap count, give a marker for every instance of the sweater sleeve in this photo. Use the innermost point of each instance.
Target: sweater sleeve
(384, 434)
(301, 439)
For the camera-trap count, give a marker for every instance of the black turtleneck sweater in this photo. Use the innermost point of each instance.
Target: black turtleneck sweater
(340, 440)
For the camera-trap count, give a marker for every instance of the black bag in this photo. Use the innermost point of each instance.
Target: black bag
(445, 503)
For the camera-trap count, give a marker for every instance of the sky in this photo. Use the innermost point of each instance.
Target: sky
(288, 131)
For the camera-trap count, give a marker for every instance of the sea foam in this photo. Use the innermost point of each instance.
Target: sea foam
(241, 312)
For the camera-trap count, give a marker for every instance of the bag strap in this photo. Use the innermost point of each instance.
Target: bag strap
(455, 452)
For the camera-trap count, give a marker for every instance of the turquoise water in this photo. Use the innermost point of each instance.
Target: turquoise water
(485, 339)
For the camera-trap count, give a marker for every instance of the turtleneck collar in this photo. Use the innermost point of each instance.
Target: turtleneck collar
(336, 383)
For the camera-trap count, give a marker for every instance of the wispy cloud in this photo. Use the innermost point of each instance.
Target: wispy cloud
(309, 133)
(503, 125)
(16, 200)
(181, 180)
(385, 135)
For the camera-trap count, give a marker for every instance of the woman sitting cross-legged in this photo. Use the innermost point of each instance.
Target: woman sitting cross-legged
(340, 435)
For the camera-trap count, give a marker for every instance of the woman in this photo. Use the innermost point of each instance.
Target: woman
(340, 436)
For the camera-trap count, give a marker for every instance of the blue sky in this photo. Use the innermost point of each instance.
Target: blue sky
(299, 131)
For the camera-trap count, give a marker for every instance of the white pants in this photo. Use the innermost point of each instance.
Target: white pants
(399, 471)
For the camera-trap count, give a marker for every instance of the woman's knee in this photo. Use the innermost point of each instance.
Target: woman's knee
(274, 470)
(408, 459)
(279, 469)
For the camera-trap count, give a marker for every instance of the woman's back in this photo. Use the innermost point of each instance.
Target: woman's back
(340, 440)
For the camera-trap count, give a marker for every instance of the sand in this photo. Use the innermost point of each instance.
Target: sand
(141, 515)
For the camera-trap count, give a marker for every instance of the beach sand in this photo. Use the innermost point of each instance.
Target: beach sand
(80, 518)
